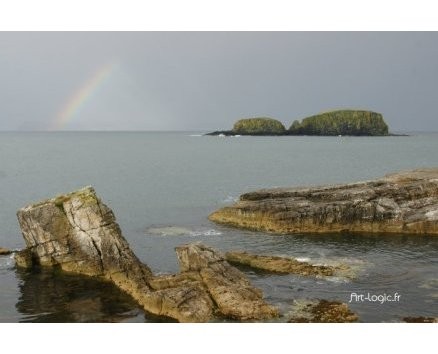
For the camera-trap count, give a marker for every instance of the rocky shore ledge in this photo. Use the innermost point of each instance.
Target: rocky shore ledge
(77, 233)
(404, 202)
(4, 251)
(280, 265)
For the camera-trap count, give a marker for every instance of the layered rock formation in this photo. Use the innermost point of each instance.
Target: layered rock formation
(405, 202)
(78, 233)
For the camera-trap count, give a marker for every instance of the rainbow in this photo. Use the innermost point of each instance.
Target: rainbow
(77, 100)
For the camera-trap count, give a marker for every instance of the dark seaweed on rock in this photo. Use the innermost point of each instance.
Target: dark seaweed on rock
(324, 311)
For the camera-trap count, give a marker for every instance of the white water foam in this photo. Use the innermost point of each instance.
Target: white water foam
(210, 232)
(430, 284)
(230, 199)
(337, 280)
(7, 262)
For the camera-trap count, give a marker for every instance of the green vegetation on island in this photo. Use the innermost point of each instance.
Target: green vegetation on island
(333, 123)
(259, 126)
(341, 122)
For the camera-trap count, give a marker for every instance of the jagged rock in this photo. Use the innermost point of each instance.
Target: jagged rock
(323, 311)
(78, 233)
(4, 251)
(278, 264)
(405, 202)
(228, 287)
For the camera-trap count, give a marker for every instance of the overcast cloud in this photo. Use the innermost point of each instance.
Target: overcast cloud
(207, 80)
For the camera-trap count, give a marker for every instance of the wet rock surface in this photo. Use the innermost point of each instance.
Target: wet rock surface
(404, 202)
(77, 233)
(48, 295)
(323, 311)
(276, 264)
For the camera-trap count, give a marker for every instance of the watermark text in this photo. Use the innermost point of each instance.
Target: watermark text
(379, 298)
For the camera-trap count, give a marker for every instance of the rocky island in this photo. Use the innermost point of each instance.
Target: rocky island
(333, 123)
(254, 126)
(341, 122)
(404, 202)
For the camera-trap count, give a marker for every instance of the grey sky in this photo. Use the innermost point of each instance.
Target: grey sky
(207, 80)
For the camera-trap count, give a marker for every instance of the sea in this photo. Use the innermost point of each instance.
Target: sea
(163, 185)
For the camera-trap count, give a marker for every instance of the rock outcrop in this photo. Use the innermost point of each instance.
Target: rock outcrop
(276, 264)
(405, 202)
(4, 251)
(77, 233)
(228, 287)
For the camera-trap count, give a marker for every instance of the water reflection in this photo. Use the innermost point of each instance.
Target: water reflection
(50, 296)
(381, 264)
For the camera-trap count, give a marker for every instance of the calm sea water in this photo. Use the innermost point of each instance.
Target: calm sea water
(162, 186)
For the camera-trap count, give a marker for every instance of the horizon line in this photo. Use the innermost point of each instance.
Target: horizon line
(98, 130)
(152, 130)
